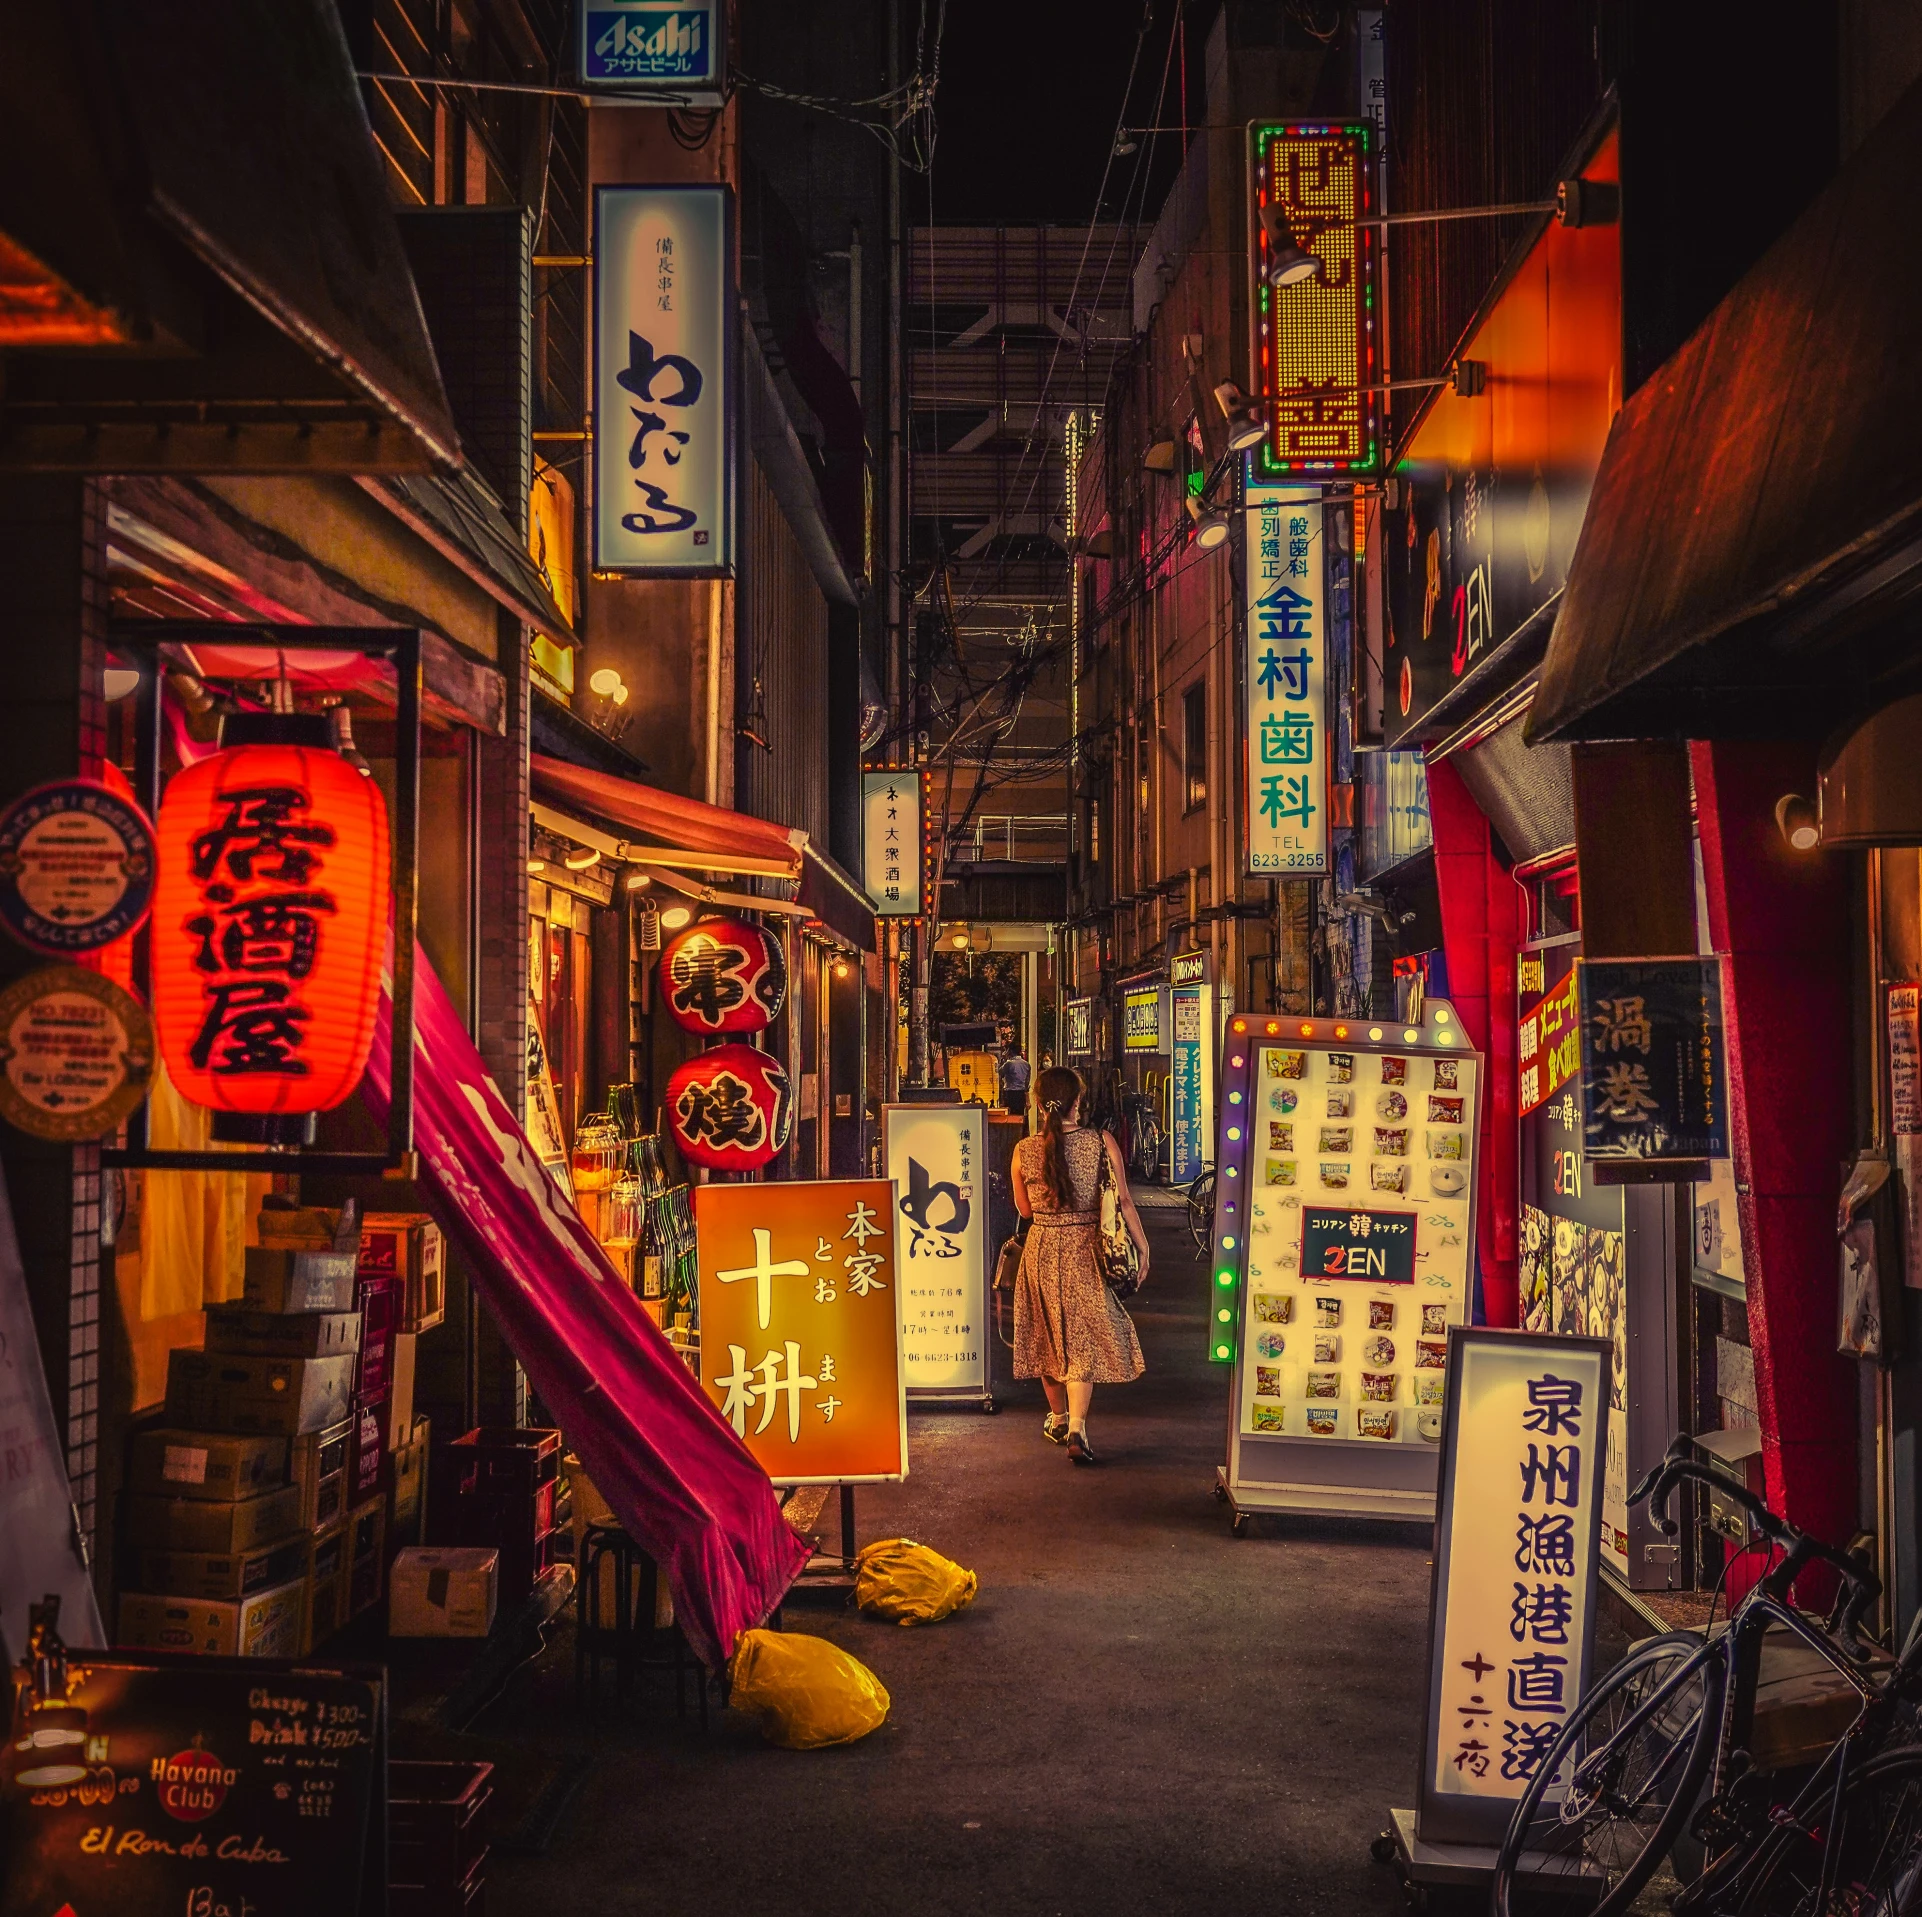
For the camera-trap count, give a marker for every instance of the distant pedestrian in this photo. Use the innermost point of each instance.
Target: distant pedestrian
(1015, 1073)
(1069, 1328)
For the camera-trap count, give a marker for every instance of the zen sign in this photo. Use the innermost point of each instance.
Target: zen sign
(663, 380)
(1376, 1246)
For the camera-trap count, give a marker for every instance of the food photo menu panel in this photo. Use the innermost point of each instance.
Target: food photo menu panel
(1360, 1168)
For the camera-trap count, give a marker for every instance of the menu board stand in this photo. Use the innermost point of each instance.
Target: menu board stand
(205, 1784)
(1343, 1257)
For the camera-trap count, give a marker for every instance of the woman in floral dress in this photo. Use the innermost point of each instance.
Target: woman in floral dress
(1069, 1328)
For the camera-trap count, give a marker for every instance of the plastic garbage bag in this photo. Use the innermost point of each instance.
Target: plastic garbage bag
(897, 1578)
(809, 1693)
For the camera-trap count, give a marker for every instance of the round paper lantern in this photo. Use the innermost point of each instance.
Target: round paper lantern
(723, 975)
(730, 1109)
(269, 921)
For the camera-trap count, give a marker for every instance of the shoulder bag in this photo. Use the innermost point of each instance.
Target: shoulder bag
(1115, 1253)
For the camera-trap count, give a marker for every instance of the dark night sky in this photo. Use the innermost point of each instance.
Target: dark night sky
(1030, 94)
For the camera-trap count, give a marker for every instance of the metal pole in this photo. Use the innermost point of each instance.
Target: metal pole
(847, 1524)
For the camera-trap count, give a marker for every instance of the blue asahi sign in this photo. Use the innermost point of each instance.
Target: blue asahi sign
(651, 49)
(664, 314)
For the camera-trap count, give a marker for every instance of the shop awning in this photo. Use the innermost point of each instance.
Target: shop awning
(669, 829)
(657, 1448)
(835, 899)
(1754, 538)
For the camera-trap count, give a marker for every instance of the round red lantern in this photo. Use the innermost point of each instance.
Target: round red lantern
(723, 975)
(269, 926)
(730, 1109)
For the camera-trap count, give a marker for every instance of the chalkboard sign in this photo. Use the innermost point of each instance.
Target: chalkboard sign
(1371, 1247)
(203, 1787)
(1653, 1072)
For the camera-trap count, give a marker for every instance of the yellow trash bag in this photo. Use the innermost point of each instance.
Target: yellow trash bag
(809, 1693)
(898, 1578)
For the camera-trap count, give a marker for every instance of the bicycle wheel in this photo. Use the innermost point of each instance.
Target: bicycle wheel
(1201, 1212)
(1632, 1760)
(1878, 1850)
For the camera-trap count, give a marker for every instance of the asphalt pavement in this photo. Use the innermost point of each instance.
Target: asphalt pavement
(1141, 1713)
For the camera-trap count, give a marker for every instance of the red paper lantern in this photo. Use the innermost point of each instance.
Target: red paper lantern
(270, 920)
(723, 975)
(730, 1109)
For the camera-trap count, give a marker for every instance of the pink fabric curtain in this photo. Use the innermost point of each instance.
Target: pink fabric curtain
(658, 1451)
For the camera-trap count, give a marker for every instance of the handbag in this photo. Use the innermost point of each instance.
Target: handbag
(1001, 1291)
(1115, 1254)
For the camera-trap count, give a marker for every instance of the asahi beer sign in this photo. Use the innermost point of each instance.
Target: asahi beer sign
(673, 51)
(663, 405)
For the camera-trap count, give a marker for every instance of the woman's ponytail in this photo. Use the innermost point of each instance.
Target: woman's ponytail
(1057, 1091)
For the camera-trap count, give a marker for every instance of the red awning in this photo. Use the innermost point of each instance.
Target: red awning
(664, 818)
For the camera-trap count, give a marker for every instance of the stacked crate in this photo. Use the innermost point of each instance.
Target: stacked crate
(508, 1493)
(402, 1281)
(236, 1518)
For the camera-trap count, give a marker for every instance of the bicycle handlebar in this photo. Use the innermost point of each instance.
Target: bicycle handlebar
(1799, 1550)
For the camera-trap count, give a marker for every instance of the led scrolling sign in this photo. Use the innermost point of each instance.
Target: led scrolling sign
(1317, 360)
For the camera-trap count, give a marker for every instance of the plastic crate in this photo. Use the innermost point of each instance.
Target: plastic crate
(438, 1822)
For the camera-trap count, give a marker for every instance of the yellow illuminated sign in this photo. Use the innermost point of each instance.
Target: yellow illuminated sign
(1317, 351)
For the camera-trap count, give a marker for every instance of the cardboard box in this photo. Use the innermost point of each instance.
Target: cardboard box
(282, 1226)
(217, 1574)
(397, 1415)
(317, 1462)
(284, 1334)
(407, 1245)
(200, 1524)
(443, 1593)
(267, 1624)
(410, 1488)
(325, 1579)
(223, 1391)
(286, 1280)
(212, 1465)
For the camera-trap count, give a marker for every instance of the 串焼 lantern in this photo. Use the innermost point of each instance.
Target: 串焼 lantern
(723, 975)
(269, 926)
(730, 1109)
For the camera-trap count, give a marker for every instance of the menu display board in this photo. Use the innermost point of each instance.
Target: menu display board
(204, 1784)
(1652, 1060)
(1358, 1235)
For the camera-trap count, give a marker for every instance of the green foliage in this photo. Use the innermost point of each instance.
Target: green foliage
(971, 987)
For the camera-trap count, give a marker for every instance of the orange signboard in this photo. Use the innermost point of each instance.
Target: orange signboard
(801, 1326)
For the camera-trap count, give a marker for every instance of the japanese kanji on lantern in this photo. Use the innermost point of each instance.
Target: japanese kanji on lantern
(730, 1108)
(1515, 1570)
(269, 925)
(800, 1326)
(723, 975)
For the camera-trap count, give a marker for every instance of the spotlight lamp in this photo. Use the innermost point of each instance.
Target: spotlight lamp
(607, 682)
(581, 858)
(1211, 525)
(1247, 424)
(1162, 454)
(675, 917)
(1288, 265)
(1797, 821)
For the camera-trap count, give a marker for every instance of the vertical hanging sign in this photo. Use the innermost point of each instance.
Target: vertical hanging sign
(663, 399)
(1283, 676)
(891, 841)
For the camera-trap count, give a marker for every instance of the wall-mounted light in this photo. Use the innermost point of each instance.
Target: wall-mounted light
(536, 865)
(1247, 424)
(841, 968)
(1288, 265)
(1211, 525)
(1796, 820)
(1161, 455)
(675, 917)
(639, 881)
(580, 857)
(607, 682)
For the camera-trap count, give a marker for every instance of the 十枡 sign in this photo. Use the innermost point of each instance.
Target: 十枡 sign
(663, 404)
(1316, 363)
(800, 1326)
(937, 1157)
(1523, 1433)
(1653, 1069)
(1141, 1020)
(892, 841)
(670, 52)
(1286, 822)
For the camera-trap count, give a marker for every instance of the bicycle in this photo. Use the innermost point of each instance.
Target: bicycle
(1201, 1211)
(1669, 1728)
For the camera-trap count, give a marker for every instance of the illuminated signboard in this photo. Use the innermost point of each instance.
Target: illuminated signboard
(1285, 709)
(1316, 357)
(1080, 1022)
(1141, 1020)
(893, 840)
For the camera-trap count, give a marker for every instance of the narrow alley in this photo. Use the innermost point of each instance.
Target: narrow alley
(1139, 1713)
